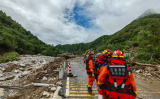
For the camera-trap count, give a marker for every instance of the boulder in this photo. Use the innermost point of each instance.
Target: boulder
(22, 69)
(59, 83)
(22, 65)
(16, 71)
(46, 94)
(24, 74)
(44, 78)
(138, 71)
(53, 89)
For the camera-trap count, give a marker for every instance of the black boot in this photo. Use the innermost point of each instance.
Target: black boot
(90, 90)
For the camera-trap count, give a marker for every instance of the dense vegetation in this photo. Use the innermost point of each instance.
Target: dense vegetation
(14, 39)
(142, 35)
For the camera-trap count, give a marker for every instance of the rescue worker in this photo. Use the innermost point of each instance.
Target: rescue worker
(100, 65)
(120, 82)
(102, 61)
(90, 71)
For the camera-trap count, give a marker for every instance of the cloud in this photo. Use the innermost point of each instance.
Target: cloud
(74, 21)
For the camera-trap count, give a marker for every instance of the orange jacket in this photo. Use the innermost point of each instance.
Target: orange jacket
(105, 72)
(102, 61)
(101, 69)
(91, 66)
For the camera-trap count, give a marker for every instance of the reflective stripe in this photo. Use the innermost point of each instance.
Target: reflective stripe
(100, 96)
(100, 83)
(115, 55)
(89, 86)
(121, 56)
(116, 66)
(115, 84)
(114, 52)
(135, 92)
(122, 85)
(129, 73)
(91, 69)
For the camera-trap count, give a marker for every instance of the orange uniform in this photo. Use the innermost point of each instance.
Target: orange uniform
(106, 72)
(91, 76)
(100, 65)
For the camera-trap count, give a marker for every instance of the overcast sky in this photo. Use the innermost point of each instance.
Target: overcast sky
(75, 21)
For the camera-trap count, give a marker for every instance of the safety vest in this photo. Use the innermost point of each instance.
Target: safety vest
(118, 80)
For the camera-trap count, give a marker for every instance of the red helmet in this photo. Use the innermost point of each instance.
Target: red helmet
(91, 53)
(118, 54)
(107, 53)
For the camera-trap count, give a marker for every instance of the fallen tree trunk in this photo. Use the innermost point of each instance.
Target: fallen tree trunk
(155, 74)
(142, 64)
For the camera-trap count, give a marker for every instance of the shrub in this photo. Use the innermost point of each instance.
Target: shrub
(10, 56)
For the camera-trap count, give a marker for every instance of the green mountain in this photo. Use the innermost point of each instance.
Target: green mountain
(143, 34)
(14, 38)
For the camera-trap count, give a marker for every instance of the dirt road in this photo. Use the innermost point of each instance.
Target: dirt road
(78, 85)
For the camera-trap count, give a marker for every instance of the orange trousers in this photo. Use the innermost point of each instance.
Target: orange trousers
(90, 81)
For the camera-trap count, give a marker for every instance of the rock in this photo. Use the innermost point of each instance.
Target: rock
(33, 61)
(29, 69)
(3, 69)
(145, 74)
(59, 83)
(45, 71)
(3, 79)
(16, 71)
(50, 79)
(46, 94)
(138, 71)
(20, 76)
(1, 75)
(22, 69)
(10, 77)
(53, 89)
(25, 74)
(149, 74)
(44, 62)
(44, 78)
(22, 65)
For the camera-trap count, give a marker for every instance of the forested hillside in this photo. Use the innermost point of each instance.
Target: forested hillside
(14, 40)
(142, 35)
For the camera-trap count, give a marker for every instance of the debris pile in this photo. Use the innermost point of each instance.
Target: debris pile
(30, 73)
(146, 69)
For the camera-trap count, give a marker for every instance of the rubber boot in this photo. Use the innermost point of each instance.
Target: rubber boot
(90, 91)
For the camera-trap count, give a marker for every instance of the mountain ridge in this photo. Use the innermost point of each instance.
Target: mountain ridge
(142, 33)
(14, 38)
